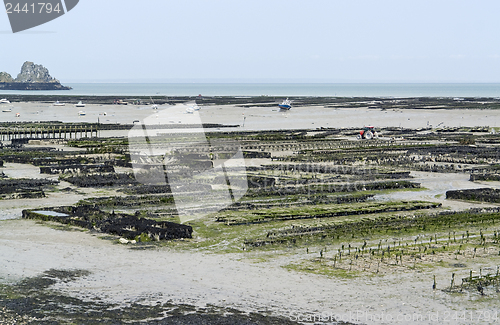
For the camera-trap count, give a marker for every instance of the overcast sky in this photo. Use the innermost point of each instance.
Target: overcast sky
(257, 40)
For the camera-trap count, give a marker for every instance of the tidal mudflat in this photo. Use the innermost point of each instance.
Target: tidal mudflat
(400, 228)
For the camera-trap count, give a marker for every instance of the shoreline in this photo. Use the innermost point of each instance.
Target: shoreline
(249, 89)
(230, 99)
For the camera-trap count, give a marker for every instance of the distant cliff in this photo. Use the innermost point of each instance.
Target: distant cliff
(32, 77)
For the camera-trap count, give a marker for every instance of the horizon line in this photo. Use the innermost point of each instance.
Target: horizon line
(201, 81)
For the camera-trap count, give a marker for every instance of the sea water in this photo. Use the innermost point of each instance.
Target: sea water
(276, 89)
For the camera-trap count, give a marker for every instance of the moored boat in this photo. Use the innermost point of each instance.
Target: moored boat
(285, 105)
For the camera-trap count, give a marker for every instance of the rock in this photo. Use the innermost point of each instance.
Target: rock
(32, 86)
(5, 77)
(32, 77)
(123, 241)
(31, 72)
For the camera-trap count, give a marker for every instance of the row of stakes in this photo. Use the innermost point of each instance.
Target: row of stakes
(399, 250)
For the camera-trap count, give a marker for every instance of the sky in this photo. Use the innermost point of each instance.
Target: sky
(263, 41)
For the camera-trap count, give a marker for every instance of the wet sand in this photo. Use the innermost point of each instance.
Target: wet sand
(12, 209)
(260, 118)
(123, 275)
(434, 187)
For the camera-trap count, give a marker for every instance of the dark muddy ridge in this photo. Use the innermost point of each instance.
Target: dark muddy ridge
(480, 194)
(24, 188)
(298, 101)
(124, 225)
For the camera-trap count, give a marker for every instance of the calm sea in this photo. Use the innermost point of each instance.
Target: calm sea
(278, 89)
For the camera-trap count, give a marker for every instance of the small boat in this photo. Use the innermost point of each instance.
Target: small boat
(57, 103)
(193, 108)
(7, 110)
(81, 113)
(285, 105)
(80, 104)
(4, 101)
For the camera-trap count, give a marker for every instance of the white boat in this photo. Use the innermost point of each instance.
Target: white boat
(193, 107)
(57, 103)
(80, 104)
(285, 105)
(81, 113)
(4, 101)
(6, 110)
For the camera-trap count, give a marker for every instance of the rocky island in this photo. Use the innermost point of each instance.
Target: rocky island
(32, 77)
